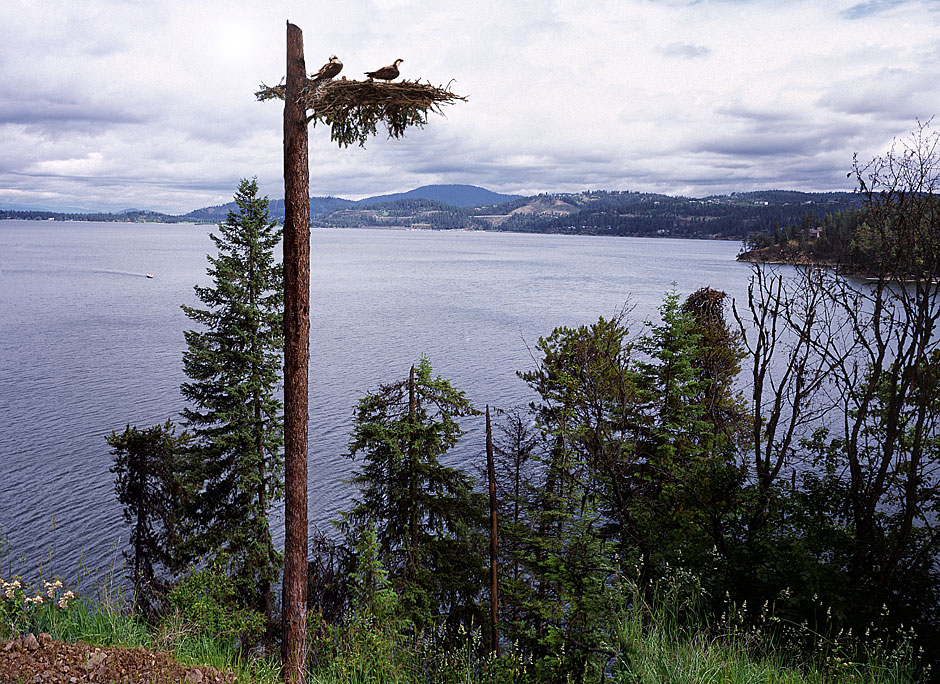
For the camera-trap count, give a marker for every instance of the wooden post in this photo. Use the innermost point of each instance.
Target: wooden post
(296, 361)
(494, 547)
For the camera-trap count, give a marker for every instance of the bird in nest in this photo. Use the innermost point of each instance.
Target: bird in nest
(329, 70)
(386, 73)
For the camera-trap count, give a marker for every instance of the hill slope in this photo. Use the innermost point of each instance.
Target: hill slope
(600, 212)
(454, 195)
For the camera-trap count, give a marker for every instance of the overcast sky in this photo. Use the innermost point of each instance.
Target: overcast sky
(113, 104)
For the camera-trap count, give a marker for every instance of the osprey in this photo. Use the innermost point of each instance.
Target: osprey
(329, 70)
(386, 73)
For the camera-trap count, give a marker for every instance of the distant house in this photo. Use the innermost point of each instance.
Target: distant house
(815, 233)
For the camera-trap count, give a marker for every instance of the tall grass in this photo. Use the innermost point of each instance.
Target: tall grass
(661, 637)
(668, 638)
(659, 641)
(658, 652)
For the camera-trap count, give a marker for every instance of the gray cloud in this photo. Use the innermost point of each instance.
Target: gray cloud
(756, 116)
(866, 9)
(685, 50)
(48, 113)
(757, 145)
(889, 93)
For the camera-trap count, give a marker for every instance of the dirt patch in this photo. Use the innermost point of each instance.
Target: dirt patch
(41, 660)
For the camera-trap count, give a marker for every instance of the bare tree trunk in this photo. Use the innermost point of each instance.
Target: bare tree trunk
(296, 359)
(494, 544)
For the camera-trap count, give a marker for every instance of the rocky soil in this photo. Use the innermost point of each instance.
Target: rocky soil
(39, 659)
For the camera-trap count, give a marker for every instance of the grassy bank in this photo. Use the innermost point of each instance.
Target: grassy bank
(651, 641)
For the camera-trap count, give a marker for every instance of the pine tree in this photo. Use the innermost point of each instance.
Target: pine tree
(147, 483)
(428, 520)
(233, 362)
(587, 418)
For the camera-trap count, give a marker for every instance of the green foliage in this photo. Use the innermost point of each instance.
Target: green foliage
(427, 518)
(717, 362)
(664, 634)
(639, 426)
(233, 360)
(845, 389)
(98, 613)
(210, 607)
(911, 426)
(372, 644)
(656, 635)
(147, 466)
(371, 593)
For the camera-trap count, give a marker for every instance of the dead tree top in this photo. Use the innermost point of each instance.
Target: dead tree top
(353, 109)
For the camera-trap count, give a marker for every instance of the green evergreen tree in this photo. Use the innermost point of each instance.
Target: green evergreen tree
(147, 483)
(233, 361)
(428, 520)
(637, 465)
(717, 365)
(514, 448)
(371, 594)
(587, 417)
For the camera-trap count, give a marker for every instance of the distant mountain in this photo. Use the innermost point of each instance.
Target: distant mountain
(319, 206)
(454, 195)
(451, 195)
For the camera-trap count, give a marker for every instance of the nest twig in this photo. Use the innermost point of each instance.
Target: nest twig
(706, 304)
(353, 109)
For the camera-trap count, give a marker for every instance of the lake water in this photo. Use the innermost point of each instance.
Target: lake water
(89, 344)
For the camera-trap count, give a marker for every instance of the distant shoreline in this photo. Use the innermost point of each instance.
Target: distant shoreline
(767, 256)
(387, 227)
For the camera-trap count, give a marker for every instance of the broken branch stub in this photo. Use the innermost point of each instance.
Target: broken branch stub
(354, 109)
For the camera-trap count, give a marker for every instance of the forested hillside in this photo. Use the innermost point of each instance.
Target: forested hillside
(607, 213)
(595, 212)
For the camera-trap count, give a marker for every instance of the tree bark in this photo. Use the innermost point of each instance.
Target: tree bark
(296, 360)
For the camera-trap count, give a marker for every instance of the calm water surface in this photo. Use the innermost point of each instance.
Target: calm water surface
(89, 344)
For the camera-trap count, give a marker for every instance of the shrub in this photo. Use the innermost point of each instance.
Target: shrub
(207, 601)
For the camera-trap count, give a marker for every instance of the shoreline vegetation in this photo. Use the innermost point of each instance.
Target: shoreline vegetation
(859, 243)
(95, 636)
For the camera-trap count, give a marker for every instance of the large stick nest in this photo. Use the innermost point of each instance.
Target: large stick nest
(353, 109)
(706, 304)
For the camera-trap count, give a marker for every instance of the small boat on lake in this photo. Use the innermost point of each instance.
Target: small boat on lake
(150, 275)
